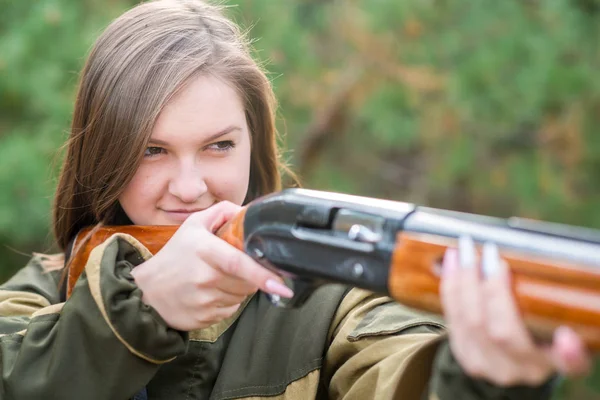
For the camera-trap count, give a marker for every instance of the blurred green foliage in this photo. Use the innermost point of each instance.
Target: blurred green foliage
(490, 107)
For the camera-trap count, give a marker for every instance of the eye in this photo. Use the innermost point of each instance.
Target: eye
(153, 151)
(224, 145)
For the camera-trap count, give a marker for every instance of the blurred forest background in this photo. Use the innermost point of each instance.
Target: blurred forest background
(490, 107)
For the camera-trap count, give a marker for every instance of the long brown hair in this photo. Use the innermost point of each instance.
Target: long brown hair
(135, 67)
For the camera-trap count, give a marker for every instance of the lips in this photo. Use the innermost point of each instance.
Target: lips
(184, 211)
(181, 214)
(178, 215)
(187, 210)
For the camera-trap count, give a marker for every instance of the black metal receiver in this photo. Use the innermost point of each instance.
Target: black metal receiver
(313, 238)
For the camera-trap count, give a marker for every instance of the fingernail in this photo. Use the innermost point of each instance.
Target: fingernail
(490, 260)
(466, 252)
(449, 264)
(275, 287)
(569, 344)
(566, 335)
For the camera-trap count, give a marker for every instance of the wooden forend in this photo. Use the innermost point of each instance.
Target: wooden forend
(548, 293)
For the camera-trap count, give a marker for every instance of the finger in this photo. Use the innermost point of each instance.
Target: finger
(503, 323)
(228, 311)
(464, 343)
(569, 353)
(230, 260)
(524, 362)
(220, 314)
(215, 298)
(235, 263)
(234, 285)
(214, 217)
(206, 276)
(470, 286)
(449, 286)
(476, 357)
(225, 300)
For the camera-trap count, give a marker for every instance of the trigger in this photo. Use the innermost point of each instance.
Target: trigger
(302, 288)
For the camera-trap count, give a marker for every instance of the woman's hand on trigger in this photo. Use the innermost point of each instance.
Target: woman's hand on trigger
(487, 334)
(198, 279)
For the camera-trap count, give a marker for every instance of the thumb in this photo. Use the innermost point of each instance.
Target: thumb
(217, 215)
(568, 353)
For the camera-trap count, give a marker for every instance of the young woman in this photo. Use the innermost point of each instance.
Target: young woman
(174, 124)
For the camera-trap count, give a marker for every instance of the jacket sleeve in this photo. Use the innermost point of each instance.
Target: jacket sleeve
(102, 343)
(451, 382)
(380, 349)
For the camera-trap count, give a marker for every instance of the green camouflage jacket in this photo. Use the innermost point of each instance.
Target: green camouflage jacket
(105, 343)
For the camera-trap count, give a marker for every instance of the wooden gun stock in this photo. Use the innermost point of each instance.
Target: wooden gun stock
(152, 237)
(548, 293)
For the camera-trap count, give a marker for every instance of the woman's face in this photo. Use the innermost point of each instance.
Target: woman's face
(198, 155)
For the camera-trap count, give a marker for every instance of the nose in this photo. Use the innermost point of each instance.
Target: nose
(188, 183)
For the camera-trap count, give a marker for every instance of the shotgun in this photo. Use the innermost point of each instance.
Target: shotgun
(312, 238)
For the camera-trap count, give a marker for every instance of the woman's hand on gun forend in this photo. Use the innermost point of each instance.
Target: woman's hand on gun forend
(487, 334)
(198, 279)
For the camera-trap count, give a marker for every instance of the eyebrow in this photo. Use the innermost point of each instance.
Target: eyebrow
(209, 139)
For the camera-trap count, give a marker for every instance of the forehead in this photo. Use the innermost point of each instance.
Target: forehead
(205, 105)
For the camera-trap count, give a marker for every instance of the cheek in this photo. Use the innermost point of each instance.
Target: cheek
(232, 188)
(231, 181)
(139, 186)
(143, 188)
